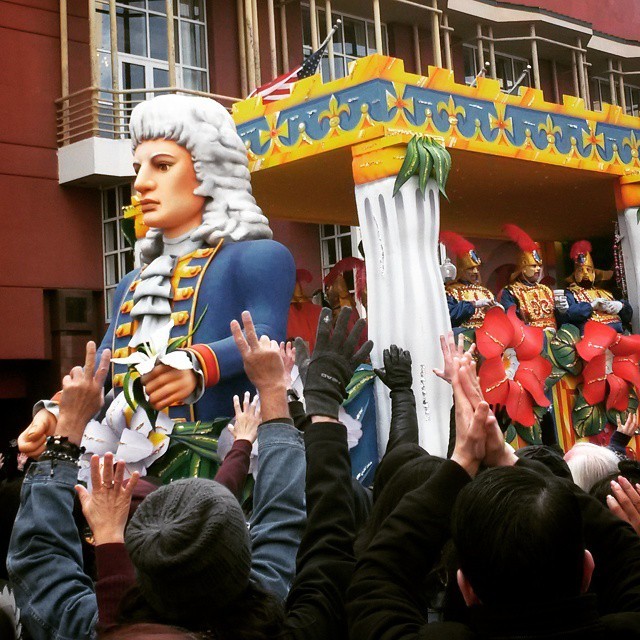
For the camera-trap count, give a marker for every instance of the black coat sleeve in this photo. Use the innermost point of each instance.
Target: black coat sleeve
(325, 561)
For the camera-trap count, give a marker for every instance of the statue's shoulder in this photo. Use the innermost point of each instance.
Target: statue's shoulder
(260, 252)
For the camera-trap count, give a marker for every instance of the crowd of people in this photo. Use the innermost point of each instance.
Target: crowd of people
(489, 543)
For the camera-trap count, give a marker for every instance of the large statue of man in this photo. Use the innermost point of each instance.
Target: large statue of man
(208, 248)
(534, 302)
(586, 300)
(467, 299)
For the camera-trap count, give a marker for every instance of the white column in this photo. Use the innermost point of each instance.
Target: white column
(630, 232)
(407, 304)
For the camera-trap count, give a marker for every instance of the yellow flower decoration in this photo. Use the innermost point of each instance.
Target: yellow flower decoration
(451, 110)
(500, 122)
(550, 129)
(275, 131)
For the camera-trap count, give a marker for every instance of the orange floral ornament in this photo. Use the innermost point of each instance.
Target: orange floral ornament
(514, 371)
(612, 361)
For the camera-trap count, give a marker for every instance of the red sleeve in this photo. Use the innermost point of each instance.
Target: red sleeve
(116, 576)
(235, 467)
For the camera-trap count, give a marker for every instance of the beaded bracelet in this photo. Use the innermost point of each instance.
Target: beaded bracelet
(59, 448)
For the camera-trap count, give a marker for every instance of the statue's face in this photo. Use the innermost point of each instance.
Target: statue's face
(531, 273)
(471, 275)
(166, 181)
(584, 275)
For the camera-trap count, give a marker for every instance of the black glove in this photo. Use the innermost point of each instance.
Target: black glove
(397, 368)
(333, 363)
(302, 357)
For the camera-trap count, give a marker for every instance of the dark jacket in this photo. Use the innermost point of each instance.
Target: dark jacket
(382, 603)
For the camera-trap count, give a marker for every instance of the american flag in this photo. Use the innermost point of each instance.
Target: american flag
(282, 86)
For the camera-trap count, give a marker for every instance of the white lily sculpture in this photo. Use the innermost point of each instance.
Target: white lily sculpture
(156, 351)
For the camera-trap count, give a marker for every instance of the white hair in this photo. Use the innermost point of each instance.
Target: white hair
(589, 463)
(205, 128)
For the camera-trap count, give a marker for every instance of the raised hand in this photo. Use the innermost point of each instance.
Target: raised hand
(247, 418)
(396, 373)
(333, 362)
(630, 425)
(263, 366)
(288, 356)
(303, 357)
(451, 350)
(82, 395)
(106, 506)
(625, 502)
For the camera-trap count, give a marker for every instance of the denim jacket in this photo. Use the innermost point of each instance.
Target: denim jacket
(55, 596)
(279, 513)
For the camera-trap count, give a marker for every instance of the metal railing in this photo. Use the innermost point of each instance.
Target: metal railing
(104, 113)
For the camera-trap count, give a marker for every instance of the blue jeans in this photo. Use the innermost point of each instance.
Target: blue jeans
(279, 513)
(56, 598)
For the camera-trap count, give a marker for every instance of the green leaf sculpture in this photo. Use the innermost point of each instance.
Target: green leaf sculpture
(587, 420)
(425, 158)
(563, 349)
(193, 452)
(613, 415)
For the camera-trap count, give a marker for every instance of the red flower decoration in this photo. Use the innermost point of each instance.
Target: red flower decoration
(514, 371)
(612, 361)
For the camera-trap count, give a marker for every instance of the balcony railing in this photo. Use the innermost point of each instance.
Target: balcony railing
(104, 113)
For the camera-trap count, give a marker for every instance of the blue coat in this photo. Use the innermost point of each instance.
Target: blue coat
(253, 275)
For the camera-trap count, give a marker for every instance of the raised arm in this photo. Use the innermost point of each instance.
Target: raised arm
(278, 510)
(54, 594)
(325, 560)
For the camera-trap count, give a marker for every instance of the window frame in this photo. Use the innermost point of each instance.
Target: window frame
(474, 48)
(344, 57)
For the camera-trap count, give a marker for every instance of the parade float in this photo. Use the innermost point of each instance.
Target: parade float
(336, 152)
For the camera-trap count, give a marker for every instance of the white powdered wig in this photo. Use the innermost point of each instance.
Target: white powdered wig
(205, 128)
(589, 463)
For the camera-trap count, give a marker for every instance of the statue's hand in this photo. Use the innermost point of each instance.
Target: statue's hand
(166, 386)
(33, 440)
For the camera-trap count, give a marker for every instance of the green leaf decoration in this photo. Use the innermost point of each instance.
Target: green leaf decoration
(563, 349)
(425, 164)
(426, 158)
(128, 226)
(587, 420)
(531, 435)
(193, 450)
(613, 415)
(358, 382)
(409, 166)
(557, 373)
(510, 434)
(176, 343)
(127, 389)
(142, 401)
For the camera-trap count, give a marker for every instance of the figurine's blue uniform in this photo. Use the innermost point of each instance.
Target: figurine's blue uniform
(253, 275)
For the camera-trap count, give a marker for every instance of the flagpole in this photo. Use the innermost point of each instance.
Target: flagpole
(325, 42)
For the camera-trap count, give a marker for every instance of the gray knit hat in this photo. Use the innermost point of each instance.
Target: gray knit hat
(190, 546)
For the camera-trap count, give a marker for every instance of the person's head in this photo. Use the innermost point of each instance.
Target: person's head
(467, 260)
(529, 267)
(403, 469)
(548, 455)
(589, 463)
(189, 544)
(629, 469)
(518, 537)
(192, 164)
(584, 272)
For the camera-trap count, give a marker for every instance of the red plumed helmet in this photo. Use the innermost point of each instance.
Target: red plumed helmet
(455, 243)
(581, 247)
(303, 275)
(346, 264)
(520, 237)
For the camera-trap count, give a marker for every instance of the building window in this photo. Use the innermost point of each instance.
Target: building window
(508, 68)
(632, 99)
(118, 256)
(355, 38)
(143, 49)
(338, 242)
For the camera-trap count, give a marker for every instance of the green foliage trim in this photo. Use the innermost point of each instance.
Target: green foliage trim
(425, 158)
